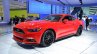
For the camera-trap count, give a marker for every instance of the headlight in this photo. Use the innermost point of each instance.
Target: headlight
(34, 30)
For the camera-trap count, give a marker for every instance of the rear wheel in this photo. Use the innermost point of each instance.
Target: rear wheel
(47, 38)
(79, 31)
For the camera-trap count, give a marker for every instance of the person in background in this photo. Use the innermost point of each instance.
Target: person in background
(10, 22)
(22, 18)
(91, 19)
(16, 20)
(29, 18)
(1, 18)
(37, 18)
(87, 22)
(13, 20)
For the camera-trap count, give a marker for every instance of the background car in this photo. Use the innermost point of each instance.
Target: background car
(44, 32)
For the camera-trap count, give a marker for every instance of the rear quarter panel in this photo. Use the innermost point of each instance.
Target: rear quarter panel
(78, 23)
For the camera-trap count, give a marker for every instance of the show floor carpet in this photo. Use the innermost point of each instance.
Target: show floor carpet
(84, 44)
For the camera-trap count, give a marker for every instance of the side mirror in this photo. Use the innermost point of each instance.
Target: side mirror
(65, 20)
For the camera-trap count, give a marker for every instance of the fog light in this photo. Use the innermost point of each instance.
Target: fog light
(31, 40)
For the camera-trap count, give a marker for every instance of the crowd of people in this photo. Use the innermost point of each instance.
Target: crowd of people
(17, 19)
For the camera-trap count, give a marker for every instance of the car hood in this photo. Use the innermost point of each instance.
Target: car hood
(32, 24)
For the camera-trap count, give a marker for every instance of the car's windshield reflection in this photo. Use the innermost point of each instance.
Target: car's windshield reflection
(52, 18)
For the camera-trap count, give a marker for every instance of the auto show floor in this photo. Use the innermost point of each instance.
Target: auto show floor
(84, 44)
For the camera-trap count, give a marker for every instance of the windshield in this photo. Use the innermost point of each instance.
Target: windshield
(53, 17)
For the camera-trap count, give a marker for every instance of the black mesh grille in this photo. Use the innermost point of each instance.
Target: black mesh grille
(18, 30)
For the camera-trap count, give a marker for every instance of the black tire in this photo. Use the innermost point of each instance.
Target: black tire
(79, 31)
(47, 39)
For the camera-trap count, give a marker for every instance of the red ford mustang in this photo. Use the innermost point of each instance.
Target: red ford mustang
(44, 32)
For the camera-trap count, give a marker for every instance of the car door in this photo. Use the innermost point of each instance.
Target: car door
(66, 27)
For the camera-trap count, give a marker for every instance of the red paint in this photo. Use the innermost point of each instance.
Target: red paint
(60, 28)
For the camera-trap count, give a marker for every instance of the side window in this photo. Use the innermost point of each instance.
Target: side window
(68, 17)
(73, 18)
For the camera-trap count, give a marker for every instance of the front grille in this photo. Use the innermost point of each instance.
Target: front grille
(31, 40)
(18, 30)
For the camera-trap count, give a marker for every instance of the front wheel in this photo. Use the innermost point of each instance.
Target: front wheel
(47, 38)
(79, 31)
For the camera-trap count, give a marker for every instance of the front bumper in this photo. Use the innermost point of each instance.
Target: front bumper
(24, 41)
(27, 38)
